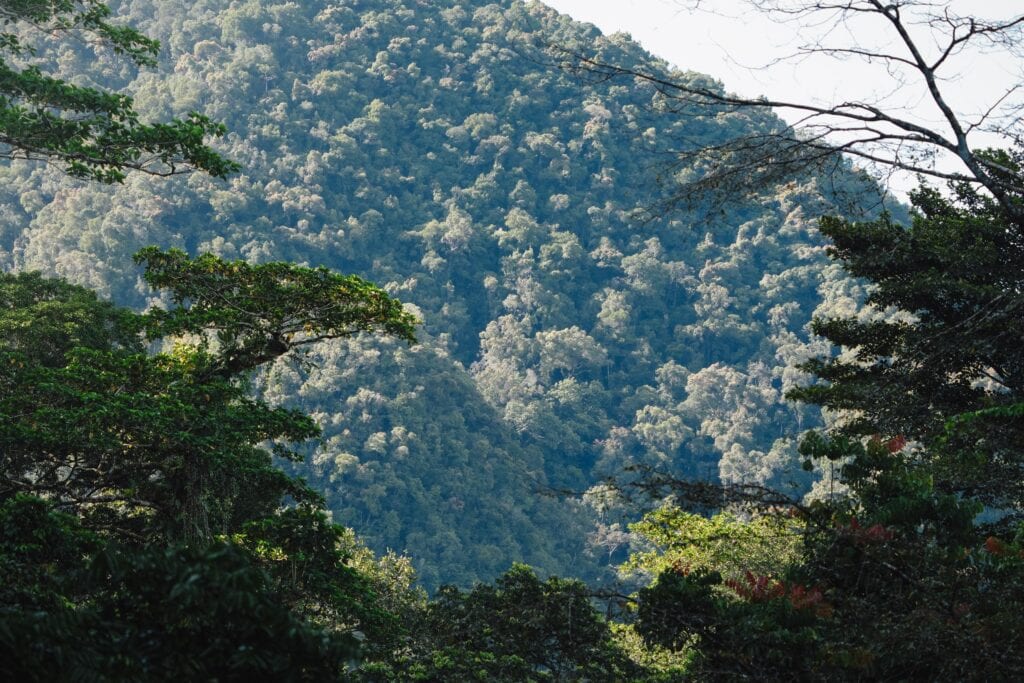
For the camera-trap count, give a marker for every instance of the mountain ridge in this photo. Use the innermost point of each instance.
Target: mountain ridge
(564, 339)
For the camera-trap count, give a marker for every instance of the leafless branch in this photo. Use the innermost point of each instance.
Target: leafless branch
(925, 38)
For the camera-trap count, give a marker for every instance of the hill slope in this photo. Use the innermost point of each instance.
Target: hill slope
(429, 147)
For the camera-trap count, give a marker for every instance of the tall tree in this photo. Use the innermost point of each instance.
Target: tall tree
(948, 373)
(907, 580)
(137, 487)
(172, 440)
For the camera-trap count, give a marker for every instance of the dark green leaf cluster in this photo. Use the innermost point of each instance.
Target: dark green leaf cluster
(956, 274)
(766, 637)
(95, 133)
(77, 609)
(44, 319)
(143, 535)
(518, 629)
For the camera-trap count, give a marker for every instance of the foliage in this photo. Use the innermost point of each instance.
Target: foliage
(169, 443)
(763, 628)
(914, 570)
(310, 563)
(724, 543)
(217, 610)
(259, 313)
(144, 459)
(74, 610)
(39, 550)
(710, 590)
(568, 332)
(518, 629)
(95, 133)
(43, 319)
(937, 391)
(659, 664)
(957, 271)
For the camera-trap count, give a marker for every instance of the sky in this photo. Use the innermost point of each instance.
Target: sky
(737, 46)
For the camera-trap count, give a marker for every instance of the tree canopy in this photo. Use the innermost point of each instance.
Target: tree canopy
(95, 133)
(142, 512)
(568, 330)
(152, 520)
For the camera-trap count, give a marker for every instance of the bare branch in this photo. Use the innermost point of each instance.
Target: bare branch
(926, 37)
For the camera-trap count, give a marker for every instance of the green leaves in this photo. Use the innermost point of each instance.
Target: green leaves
(955, 277)
(724, 543)
(759, 627)
(152, 460)
(95, 133)
(520, 628)
(146, 441)
(44, 319)
(69, 15)
(261, 312)
(209, 614)
(927, 397)
(896, 576)
(169, 445)
(161, 613)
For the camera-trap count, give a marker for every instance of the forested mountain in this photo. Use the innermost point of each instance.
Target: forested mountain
(569, 330)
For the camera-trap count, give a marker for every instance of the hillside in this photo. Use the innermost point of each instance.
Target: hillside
(567, 332)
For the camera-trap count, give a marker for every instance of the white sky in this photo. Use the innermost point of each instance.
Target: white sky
(732, 43)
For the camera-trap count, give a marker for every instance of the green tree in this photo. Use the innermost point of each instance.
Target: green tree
(756, 627)
(956, 276)
(929, 437)
(167, 443)
(94, 132)
(161, 500)
(518, 629)
(912, 568)
(75, 608)
(670, 537)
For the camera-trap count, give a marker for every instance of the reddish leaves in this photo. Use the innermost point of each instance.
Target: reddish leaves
(765, 589)
(876, 533)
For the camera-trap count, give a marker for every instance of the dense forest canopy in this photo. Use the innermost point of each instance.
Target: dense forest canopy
(152, 525)
(568, 331)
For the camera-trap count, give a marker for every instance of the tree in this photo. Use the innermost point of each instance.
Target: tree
(939, 388)
(167, 442)
(907, 580)
(259, 313)
(95, 133)
(77, 608)
(518, 629)
(948, 373)
(724, 543)
(145, 532)
(137, 487)
(925, 40)
(757, 627)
